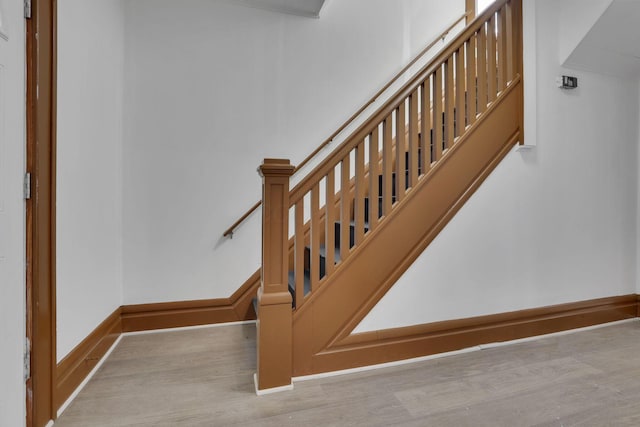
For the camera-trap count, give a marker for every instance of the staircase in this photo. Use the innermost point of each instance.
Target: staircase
(322, 250)
(362, 216)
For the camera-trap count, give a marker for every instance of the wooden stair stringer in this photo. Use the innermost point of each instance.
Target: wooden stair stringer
(332, 312)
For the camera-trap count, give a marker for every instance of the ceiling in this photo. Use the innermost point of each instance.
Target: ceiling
(612, 46)
(306, 8)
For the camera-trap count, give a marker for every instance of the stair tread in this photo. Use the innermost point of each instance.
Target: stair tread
(336, 253)
(292, 283)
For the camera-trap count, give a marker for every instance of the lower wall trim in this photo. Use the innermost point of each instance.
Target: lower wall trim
(371, 348)
(238, 307)
(356, 350)
(75, 367)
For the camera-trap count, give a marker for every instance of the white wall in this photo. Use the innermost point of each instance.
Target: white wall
(89, 166)
(552, 225)
(211, 89)
(638, 204)
(576, 18)
(12, 226)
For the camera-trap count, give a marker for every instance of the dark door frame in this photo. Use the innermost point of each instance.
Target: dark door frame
(41, 211)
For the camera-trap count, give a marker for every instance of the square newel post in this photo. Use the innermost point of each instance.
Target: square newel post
(274, 300)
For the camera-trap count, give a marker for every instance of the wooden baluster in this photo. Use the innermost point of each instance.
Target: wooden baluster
(274, 329)
(358, 208)
(387, 166)
(482, 69)
(345, 208)
(413, 139)
(460, 100)
(437, 114)
(502, 49)
(298, 256)
(374, 172)
(330, 223)
(315, 236)
(508, 29)
(491, 55)
(471, 80)
(401, 150)
(516, 13)
(449, 103)
(426, 142)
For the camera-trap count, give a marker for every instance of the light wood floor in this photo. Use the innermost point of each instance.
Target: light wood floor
(203, 377)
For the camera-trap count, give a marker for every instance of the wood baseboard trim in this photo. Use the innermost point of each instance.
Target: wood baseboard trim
(371, 348)
(357, 350)
(75, 367)
(238, 307)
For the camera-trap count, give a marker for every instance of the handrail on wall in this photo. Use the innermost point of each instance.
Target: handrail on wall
(229, 232)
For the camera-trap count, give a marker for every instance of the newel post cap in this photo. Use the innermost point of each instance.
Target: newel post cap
(276, 167)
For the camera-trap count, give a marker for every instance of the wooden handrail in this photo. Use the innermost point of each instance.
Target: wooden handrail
(303, 163)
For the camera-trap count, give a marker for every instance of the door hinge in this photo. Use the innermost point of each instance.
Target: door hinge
(27, 359)
(27, 185)
(27, 9)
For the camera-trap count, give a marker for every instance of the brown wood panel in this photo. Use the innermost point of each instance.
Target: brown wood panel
(370, 272)
(421, 340)
(75, 367)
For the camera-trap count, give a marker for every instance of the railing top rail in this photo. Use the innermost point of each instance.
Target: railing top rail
(365, 128)
(441, 36)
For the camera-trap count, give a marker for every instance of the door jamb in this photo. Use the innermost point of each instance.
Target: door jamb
(40, 211)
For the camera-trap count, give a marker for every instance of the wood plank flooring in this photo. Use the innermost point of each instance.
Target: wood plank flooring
(204, 377)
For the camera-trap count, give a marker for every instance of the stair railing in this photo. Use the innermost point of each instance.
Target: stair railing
(229, 231)
(338, 205)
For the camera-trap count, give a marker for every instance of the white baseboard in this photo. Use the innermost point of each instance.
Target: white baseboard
(270, 390)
